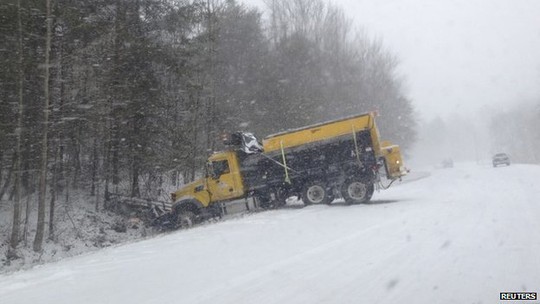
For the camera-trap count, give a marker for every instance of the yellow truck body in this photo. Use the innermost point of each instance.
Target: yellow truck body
(336, 128)
(323, 131)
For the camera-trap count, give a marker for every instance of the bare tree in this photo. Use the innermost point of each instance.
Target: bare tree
(18, 193)
(38, 240)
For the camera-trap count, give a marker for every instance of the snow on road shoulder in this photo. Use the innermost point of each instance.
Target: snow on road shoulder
(78, 229)
(459, 235)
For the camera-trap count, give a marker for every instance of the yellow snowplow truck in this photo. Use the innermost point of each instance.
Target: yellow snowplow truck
(342, 158)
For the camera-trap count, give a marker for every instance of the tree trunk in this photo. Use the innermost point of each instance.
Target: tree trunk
(66, 194)
(112, 158)
(97, 199)
(211, 121)
(115, 160)
(106, 171)
(54, 187)
(1, 165)
(40, 231)
(17, 205)
(61, 112)
(28, 209)
(135, 161)
(76, 157)
(8, 177)
(94, 167)
(26, 218)
(51, 209)
(135, 192)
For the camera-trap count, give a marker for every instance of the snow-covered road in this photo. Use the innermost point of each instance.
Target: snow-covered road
(460, 235)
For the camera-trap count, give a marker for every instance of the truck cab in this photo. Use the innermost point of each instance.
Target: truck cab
(222, 182)
(223, 178)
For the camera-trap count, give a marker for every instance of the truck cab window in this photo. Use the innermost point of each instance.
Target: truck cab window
(220, 167)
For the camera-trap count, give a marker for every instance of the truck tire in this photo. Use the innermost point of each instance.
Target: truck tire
(356, 191)
(264, 200)
(316, 193)
(185, 219)
(186, 213)
(282, 194)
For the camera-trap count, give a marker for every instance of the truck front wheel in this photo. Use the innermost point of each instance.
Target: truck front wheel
(186, 213)
(185, 219)
(354, 191)
(316, 192)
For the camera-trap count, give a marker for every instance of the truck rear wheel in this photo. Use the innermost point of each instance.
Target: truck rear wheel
(278, 196)
(316, 193)
(355, 191)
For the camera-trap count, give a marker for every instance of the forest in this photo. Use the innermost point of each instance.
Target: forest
(131, 96)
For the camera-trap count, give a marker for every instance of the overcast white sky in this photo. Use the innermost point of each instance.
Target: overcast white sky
(457, 55)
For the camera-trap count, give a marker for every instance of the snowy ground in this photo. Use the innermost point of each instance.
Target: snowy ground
(459, 235)
(78, 229)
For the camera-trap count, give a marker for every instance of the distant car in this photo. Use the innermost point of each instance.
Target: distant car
(501, 159)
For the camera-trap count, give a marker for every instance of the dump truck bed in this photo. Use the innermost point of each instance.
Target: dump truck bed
(323, 132)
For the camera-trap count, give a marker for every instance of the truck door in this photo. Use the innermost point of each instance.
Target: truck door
(221, 180)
